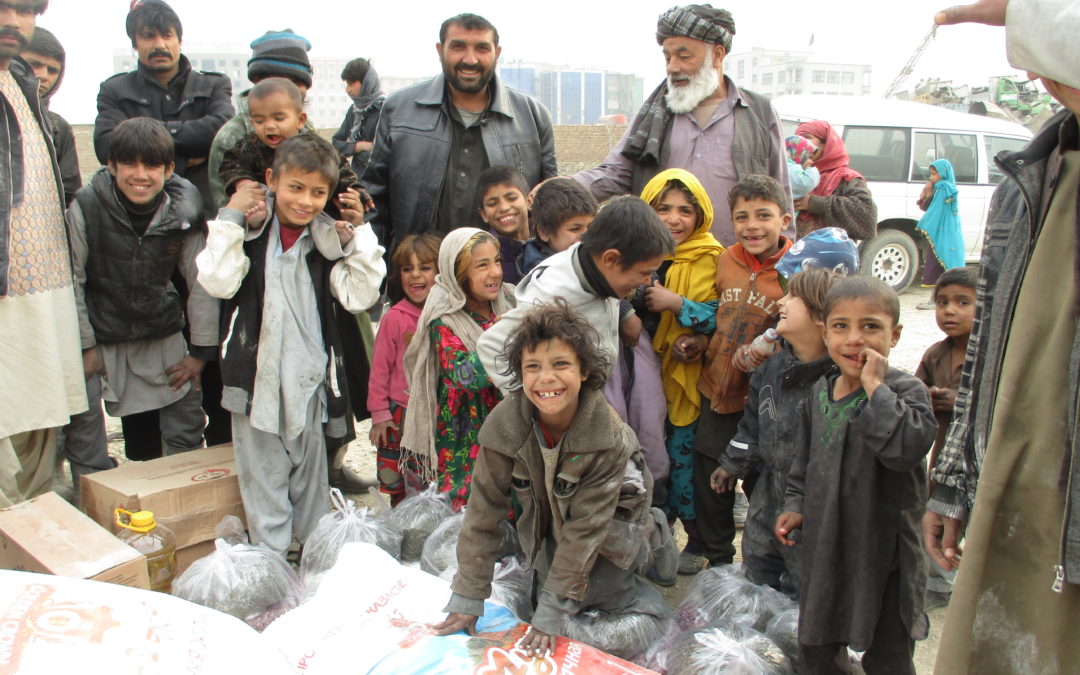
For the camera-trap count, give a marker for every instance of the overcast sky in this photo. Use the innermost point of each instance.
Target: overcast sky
(400, 36)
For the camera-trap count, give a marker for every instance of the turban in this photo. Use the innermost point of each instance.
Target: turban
(699, 22)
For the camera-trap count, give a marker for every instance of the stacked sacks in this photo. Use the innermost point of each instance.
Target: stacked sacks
(249, 582)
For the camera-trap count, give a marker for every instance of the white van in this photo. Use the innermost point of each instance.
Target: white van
(892, 144)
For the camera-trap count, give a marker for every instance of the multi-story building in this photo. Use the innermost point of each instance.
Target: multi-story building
(775, 72)
(577, 96)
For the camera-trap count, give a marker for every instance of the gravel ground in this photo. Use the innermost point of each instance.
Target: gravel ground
(920, 331)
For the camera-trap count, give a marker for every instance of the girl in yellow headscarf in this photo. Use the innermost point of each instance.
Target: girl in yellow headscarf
(684, 206)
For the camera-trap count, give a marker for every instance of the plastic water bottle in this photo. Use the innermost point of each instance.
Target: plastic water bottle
(764, 344)
(155, 541)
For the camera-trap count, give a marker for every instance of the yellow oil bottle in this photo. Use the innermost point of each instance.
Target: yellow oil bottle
(143, 533)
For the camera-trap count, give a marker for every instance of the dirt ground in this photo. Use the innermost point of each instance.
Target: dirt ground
(920, 331)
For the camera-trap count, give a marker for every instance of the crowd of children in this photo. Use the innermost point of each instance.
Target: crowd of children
(508, 389)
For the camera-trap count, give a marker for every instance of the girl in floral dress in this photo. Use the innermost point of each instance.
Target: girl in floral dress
(450, 393)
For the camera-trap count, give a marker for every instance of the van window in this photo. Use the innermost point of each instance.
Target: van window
(878, 153)
(994, 145)
(959, 149)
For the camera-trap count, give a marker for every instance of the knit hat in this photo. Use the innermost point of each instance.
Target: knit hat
(829, 247)
(280, 54)
(799, 149)
(164, 15)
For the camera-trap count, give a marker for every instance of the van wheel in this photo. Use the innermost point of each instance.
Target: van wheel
(893, 257)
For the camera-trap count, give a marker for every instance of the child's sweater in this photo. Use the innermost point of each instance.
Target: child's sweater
(803, 180)
(387, 382)
(859, 480)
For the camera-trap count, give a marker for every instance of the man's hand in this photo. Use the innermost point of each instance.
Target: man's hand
(377, 434)
(351, 205)
(537, 644)
(92, 363)
(247, 195)
(990, 12)
(943, 399)
(785, 523)
(455, 622)
(721, 481)
(189, 369)
(362, 146)
(940, 535)
(689, 347)
(630, 330)
(874, 367)
(659, 299)
(195, 161)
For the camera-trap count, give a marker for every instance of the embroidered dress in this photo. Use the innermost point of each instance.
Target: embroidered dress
(465, 396)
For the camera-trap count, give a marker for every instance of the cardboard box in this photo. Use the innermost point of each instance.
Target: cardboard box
(189, 493)
(189, 554)
(46, 534)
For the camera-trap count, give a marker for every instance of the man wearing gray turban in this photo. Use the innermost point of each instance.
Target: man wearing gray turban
(697, 120)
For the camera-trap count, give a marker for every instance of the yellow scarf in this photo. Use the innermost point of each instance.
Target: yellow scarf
(692, 275)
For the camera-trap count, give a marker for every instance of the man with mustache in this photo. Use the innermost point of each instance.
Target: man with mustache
(46, 57)
(193, 105)
(40, 377)
(697, 119)
(435, 138)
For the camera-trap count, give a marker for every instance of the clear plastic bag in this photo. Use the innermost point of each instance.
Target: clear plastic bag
(247, 581)
(729, 648)
(725, 593)
(417, 516)
(345, 524)
(511, 587)
(627, 635)
(783, 629)
(440, 549)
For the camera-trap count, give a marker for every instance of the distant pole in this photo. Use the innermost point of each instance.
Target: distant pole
(910, 65)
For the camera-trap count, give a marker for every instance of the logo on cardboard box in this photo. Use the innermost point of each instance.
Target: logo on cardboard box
(210, 474)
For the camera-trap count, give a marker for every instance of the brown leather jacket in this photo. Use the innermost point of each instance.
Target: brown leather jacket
(589, 509)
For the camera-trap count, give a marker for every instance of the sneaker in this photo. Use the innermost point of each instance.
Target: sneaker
(666, 555)
(742, 505)
(935, 599)
(689, 563)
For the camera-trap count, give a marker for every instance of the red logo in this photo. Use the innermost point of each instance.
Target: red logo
(210, 474)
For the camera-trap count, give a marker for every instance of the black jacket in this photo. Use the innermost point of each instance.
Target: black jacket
(193, 107)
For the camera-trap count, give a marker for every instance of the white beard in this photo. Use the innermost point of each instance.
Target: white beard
(702, 85)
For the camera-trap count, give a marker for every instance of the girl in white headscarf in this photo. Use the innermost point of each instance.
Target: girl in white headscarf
(450, 393)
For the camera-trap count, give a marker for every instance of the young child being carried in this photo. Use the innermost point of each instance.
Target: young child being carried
(765, 439)
(131, 229)
(802, 173)
(414, 264)
(684, 206)
(560, 214)
(747, 286)
(562, 452)
(939, 369)
(276, 109)
(857, 489)
(281, 354)
(450, 392)
(500, 192)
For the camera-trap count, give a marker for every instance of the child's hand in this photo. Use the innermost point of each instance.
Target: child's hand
(255, 216)
(943, 399)
(537, 644)
(688, 347)
(808, 163)
(630, 330)
(941, 535)
(659, 299)
(785, 523)
(189, 369)
(248, 193)
(352, 206)
(874, 367)
(802, 203)
(456, 622)
(345, 232)
(377, 435)
(721, 481)
(92, 363)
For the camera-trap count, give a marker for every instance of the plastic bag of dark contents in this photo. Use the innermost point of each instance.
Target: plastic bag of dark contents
(783, 629)
(417, 516)
(440, 549)
(627, 635)
(250, 582)
(729, 648)
(723, 592)
(656, 656)
(511, 586)
(343, 525)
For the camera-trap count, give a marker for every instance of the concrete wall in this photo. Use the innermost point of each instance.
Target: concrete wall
(577, 147)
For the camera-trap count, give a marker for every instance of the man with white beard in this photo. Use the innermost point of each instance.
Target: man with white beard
(697, 120)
